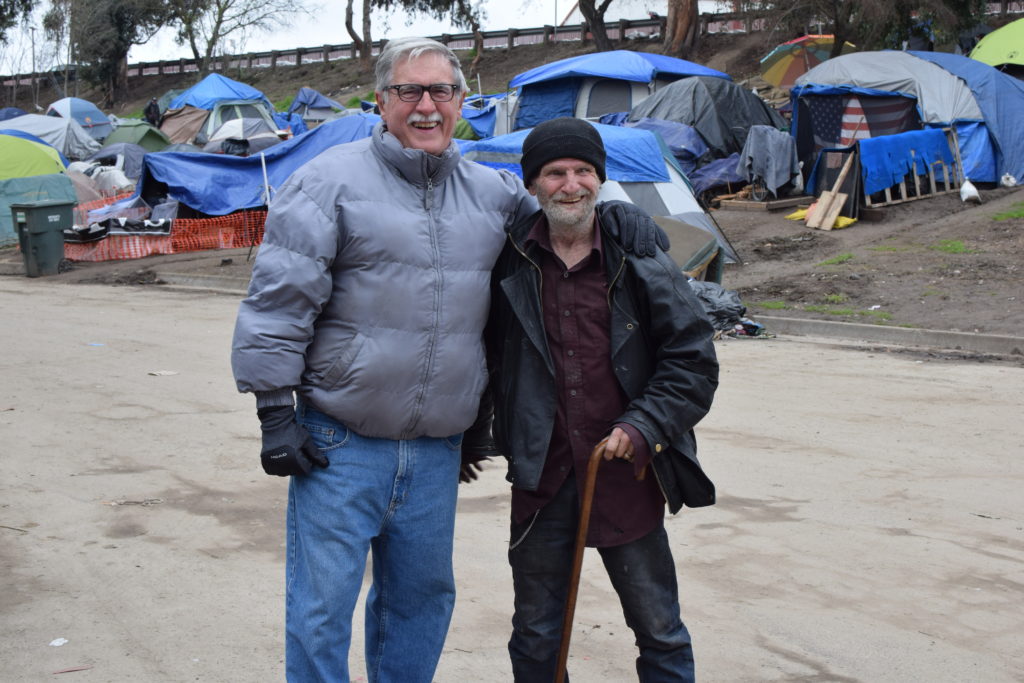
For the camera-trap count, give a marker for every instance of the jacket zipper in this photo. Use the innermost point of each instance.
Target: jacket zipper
(428, 203)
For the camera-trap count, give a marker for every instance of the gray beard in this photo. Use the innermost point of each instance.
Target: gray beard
(570, 222)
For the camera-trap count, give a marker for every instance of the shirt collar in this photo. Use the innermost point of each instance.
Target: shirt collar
(540, 234)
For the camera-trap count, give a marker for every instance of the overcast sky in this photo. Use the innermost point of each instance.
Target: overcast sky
(327, 26)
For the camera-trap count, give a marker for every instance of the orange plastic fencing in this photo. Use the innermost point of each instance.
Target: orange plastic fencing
(241, 229)
(81, 212)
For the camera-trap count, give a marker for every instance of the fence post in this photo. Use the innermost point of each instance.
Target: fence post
(181, 65)
(248, 61)
(327, 53)
(445, 39)
(584, 28)
(273, 59)
(512, 33)
(623, 27)
(298, 56)
(546, 40)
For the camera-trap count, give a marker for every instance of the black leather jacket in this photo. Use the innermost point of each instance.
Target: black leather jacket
(662, 352)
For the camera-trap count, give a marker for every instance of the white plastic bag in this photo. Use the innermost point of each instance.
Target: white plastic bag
(969, 193)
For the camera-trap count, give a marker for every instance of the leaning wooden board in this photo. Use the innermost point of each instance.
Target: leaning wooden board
(824, 212)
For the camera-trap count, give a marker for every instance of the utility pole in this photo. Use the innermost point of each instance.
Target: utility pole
(35, 81)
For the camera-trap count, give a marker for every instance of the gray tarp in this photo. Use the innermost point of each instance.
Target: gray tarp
(941, 96)
(66, 135)
(720, 110)
(771, 155)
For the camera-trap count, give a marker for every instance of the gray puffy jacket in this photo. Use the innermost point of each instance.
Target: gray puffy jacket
(370, 291)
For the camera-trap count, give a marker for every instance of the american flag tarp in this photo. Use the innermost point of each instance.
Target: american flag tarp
(840, 120)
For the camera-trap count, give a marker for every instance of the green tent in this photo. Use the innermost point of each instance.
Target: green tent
(37, 188)
(139, 133)
(1003, 48)
(20, 158)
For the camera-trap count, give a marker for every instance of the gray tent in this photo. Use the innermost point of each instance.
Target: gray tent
(69, 138)
(721, 111)
(125, 156)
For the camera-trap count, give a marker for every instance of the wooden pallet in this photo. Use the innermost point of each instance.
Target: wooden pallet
(951, 179)
(771, 205)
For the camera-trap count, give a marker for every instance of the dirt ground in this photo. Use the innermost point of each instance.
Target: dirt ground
(934, 264)
(931, 264)
(868, 524)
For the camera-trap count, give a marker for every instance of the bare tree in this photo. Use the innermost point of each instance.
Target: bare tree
(363, 43)
(681, 30)
(594, 14)
(204, 25)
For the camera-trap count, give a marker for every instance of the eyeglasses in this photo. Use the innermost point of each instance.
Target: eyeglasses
(413, 92)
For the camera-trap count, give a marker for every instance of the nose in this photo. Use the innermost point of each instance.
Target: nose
(572, 182)
(425, 103)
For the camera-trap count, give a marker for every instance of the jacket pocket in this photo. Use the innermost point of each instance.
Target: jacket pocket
(348, 351)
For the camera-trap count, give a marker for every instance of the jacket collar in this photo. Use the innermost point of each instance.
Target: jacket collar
(415, 165)
(520, 232)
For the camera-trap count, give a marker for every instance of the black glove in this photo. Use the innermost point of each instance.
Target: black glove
(477, 445)
(634, 230)
(287, 446)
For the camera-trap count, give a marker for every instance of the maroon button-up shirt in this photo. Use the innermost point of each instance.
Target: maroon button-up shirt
(590, 401)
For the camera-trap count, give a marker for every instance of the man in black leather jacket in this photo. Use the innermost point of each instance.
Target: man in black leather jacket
(586, 342)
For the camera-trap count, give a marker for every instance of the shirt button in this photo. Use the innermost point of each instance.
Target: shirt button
(572, 392)
(570, 353)
(565, 274)
(566, 313)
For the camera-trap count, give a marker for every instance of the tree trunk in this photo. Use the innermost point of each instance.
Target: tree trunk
(361, 47)
(478, 47)
(595, 19)
(681, 28)
(366, 56)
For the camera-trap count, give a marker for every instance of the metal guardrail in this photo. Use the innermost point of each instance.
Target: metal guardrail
(504, 39)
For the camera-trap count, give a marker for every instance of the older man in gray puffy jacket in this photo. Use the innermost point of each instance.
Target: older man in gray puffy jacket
(367, 304)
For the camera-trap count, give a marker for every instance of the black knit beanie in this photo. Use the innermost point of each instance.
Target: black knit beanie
(564, 138)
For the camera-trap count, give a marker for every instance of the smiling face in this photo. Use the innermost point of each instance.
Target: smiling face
(424, 124)
(567, 191)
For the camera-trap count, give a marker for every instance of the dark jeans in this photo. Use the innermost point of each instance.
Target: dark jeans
(642, 573)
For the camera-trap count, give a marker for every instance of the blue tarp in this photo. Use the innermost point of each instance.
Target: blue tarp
(634, 156)
(968, 88)
(685, 143)
(218, 184)
(290, 122)
(1001, 100)
(718, 173)
(625, 65)
(546, 101)
(482, 119)
(314, 99)
(11, 112)
(884, 161)
(549, 91)
(215, 88)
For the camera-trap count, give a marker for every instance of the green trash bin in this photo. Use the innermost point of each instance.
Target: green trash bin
(40, 226)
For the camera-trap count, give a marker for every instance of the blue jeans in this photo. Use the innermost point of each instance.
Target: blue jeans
(642, 573)
(396, 500)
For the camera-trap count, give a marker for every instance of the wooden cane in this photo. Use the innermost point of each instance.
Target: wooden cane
(577, 562)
